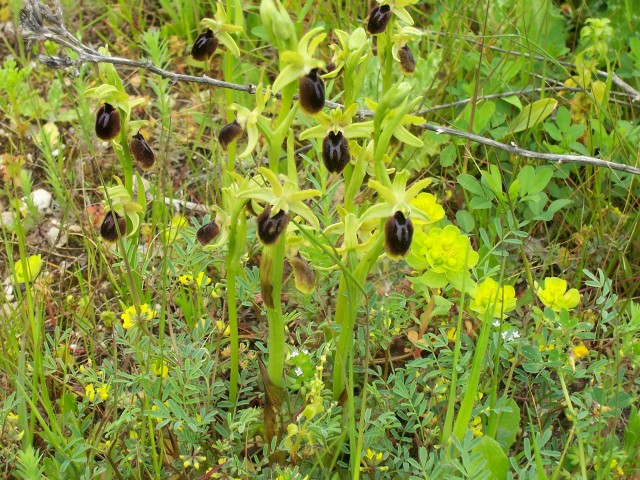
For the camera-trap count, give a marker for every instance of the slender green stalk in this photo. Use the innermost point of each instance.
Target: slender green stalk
(574, 416)
(237, 237)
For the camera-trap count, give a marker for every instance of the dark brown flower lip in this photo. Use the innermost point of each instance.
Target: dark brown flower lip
(142, 151)
(270, 227)
(229, 133)
(311, 92)
(108, 229)
(107, 122)
(407, 61)
(398, 234)
(335, 152)
(379, 19)
(204, 46)
(207, 232)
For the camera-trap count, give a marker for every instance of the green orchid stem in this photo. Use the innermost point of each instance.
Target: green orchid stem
(349, 297)
(124, 156)
(574, 417)
(237, 236)
(271, 268)
(386, 59)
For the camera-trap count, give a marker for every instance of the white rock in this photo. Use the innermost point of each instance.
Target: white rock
(54, 237)
(6, 220)
(41, 199)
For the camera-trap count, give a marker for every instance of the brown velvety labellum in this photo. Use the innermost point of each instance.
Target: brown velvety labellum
(398, 233)
(142, 152)
(270, 228)
(229, 133)
(335, 152)
(204, 46)
(407, 62)
(379, 19)
(108, 229)
(207, 233)
(311, 92)
(107, 122)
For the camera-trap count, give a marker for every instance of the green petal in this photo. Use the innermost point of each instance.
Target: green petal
(416, 188)
(379, 210)
(319, 131)
(252, 141)
(359, 130)
(403, 15)
(405, 136)
(273, 180)
(306, 213)
(386, 193)
(228, 42)
(303, 195)
(289, 74)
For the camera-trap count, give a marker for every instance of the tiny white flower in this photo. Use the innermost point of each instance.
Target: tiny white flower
(298, 371)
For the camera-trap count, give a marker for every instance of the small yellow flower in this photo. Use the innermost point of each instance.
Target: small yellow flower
(555, 295)
(546, 347)
(131, 318)
(200, 280)
(476, 427)
(489, 295)
(103, 391)
(580, 351)
(160, 369)
(90, 392)
(223, 328)
(451, 334)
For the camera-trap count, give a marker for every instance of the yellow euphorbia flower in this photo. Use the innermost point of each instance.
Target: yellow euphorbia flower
(29, 269)
(489, 295)
(555, 295)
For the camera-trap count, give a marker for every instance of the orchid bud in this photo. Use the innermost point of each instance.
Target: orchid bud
(303, 275)
(407, 62)
(108, 230)
(379, 19)
(204, 46)
(398, 233)
(107, 122)
(229, 133)
(142, 152)
(207, 233)
(270, 228)
(335, 152)
(311, 92)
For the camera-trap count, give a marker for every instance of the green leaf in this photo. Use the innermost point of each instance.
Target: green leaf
(632, 432)
(465, 221)
(448, 155)
(470, 184)
(538, 181)
(533, 114)
(490, 452)
(508, 424)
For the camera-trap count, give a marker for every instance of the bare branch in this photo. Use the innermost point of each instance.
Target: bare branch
(513, 148)
(40, 23)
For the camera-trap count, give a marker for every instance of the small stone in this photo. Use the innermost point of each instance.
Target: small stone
(54, 237)
(7, 220)
(41, 199)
